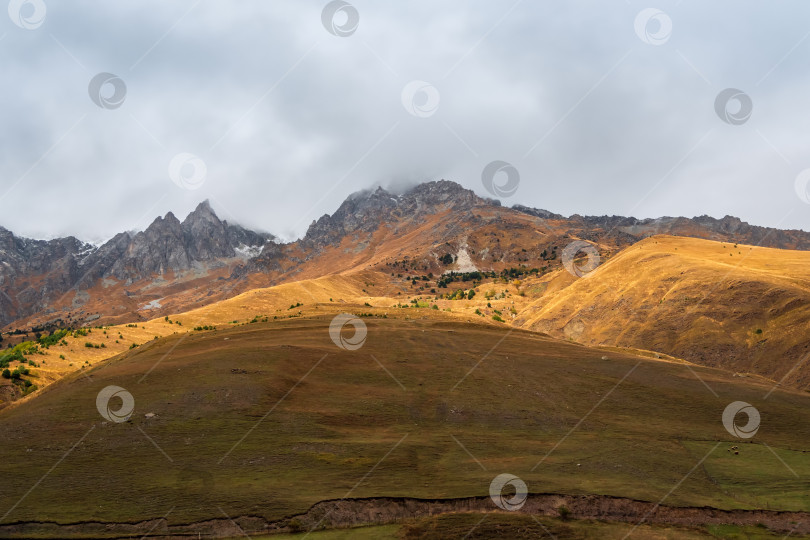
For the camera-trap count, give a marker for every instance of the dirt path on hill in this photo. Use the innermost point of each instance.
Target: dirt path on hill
(383, 510)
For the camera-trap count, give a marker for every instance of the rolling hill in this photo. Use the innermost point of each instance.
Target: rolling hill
(742, 308)
(262, 424)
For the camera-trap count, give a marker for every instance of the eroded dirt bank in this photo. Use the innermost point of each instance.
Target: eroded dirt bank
(354, 512)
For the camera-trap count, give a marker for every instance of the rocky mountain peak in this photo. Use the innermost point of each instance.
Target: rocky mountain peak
(365, 211)
(171, 219)
(536, 212)
(202, 213)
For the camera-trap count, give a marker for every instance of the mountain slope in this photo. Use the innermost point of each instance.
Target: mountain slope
(267, 419)
(738, 307)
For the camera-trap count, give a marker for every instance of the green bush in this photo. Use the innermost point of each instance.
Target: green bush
(6, 374)
(55, 337)
(295, 525)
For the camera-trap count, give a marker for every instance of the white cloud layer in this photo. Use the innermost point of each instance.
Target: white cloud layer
(289, 119)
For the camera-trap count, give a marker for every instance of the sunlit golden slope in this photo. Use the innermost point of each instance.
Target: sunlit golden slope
(742, 308)
(355, 292)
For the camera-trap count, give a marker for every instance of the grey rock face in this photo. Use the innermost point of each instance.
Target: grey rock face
(365, 211)
(34, 273)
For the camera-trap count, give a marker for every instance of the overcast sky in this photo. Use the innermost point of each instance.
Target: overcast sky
(276, 111)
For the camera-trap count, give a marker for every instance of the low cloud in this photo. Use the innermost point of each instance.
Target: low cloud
(289, 119)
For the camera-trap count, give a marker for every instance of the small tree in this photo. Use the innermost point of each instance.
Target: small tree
(6, 374)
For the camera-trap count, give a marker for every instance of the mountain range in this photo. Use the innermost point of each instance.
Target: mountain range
(174, 265)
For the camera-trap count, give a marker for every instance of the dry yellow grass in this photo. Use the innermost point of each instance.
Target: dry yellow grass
(743, 308)
(329, 294)
(671, 297)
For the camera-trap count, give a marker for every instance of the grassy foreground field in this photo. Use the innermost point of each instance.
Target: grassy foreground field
(268, 419)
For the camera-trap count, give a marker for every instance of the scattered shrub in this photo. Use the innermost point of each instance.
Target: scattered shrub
(295, 525)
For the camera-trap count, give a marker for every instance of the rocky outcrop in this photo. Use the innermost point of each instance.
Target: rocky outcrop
(366, 211)
(168, 245)
(35, 273)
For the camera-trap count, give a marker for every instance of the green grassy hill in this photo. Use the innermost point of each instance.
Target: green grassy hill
(268, 419)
